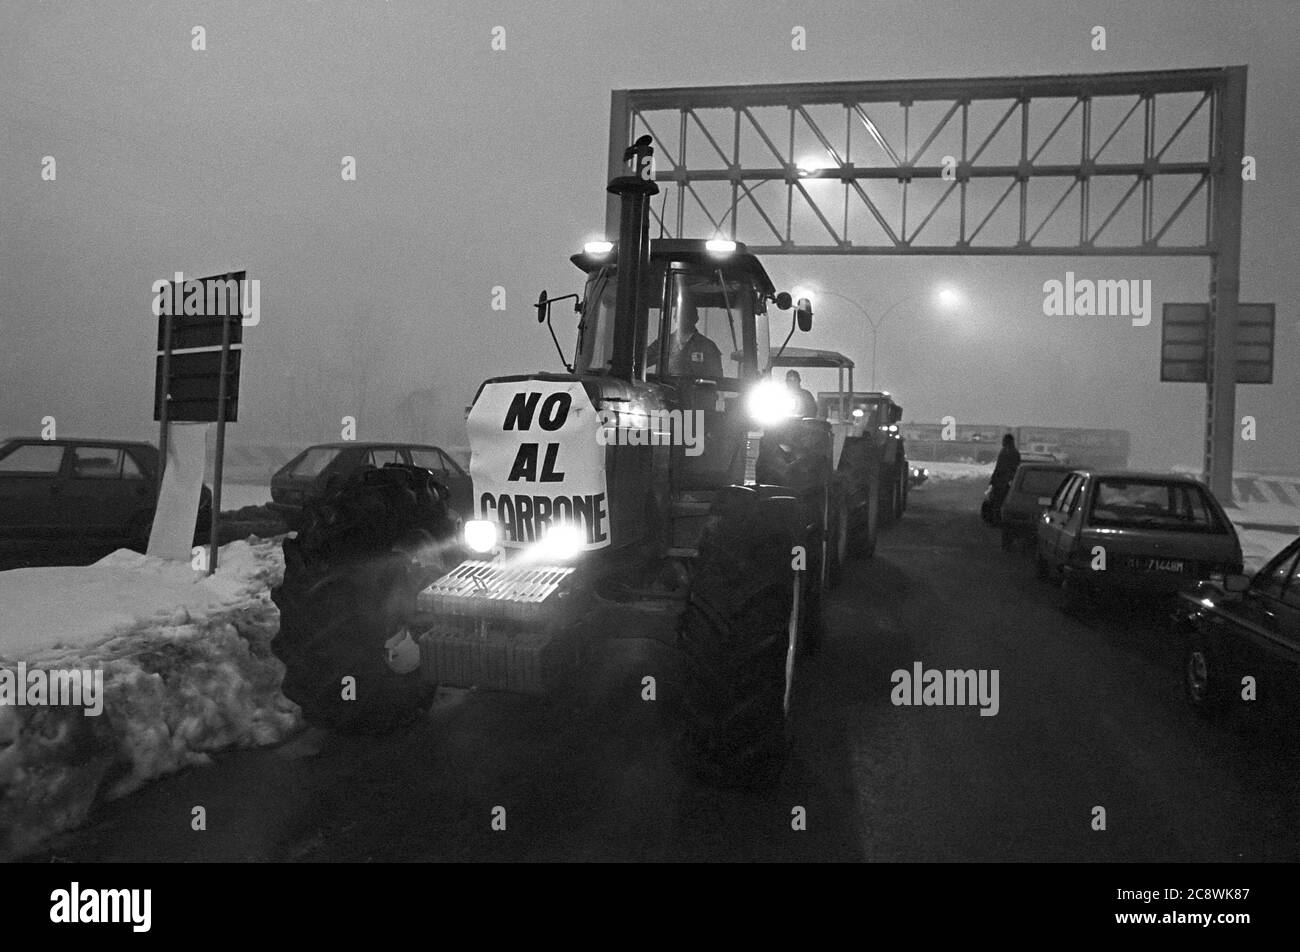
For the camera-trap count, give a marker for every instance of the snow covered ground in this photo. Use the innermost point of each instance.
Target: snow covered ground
(186, 666)
(1257, 545)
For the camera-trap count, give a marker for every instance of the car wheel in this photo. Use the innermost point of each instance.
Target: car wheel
(1203, 682)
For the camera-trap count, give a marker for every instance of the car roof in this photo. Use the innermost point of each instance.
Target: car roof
(370, 444)
(1046, 466)
(77, 440)
(1138, 474)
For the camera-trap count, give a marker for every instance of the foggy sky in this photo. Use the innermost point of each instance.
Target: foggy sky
(479, 169)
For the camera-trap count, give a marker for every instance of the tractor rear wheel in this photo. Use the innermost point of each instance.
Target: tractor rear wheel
(348, 593)
(740, 637)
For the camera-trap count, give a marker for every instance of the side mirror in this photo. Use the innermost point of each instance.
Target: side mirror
(541, 307)
(1236, 584)
(803, 315)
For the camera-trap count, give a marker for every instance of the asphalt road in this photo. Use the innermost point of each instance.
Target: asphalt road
(1090, 714)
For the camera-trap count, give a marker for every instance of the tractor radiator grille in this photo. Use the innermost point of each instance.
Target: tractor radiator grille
(489, 590)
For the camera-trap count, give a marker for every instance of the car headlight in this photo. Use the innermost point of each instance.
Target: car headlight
(769, 403)
(481, 536)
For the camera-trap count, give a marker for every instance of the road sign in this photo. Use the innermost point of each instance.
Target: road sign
(1184, 343)
(196, 380)
(195, 386)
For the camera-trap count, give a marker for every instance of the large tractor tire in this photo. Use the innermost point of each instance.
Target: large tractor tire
(350, 582)
(867, 530)
(839, 532)
(739, 637)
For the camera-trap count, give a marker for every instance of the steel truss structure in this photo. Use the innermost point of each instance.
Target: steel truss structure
(1141, 163)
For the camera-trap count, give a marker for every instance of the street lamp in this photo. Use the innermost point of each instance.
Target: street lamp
(946, 296)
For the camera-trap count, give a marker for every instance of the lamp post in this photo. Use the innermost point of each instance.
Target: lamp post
(947, 295)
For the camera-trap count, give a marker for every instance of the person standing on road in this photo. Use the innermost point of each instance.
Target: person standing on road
(1003, 472)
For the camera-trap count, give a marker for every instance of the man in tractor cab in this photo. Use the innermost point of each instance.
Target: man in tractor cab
(690, 353)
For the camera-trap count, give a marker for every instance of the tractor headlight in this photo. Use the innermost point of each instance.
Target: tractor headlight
(481, 536)
(769, 403)
(562, 541)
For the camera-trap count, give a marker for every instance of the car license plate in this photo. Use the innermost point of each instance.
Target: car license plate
(1044, 500)
(1149, 564)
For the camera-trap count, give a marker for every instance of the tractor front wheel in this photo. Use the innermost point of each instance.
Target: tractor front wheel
(740, 636)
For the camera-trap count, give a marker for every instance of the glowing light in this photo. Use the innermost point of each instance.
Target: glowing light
(720, 246)
(562, 541)
(480, 535)
(598, 247)
(770, 402)
(948, 297)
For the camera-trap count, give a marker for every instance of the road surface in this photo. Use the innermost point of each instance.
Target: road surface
(1090, 714)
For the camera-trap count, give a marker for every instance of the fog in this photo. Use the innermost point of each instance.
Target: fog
(480, 169)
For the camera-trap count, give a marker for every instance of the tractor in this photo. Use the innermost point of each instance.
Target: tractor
(660, 487)
(872, 475)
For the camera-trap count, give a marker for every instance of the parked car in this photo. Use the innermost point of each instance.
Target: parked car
(1150, 533)
(917, 475)
(1031, 492)
(101, 490)
(1242, 627)
(317, 470)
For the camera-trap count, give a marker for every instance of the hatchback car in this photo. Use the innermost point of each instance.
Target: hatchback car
(317, 470)
(1031, 493)
(1245, 627)
(1151, 533)
(70, 489)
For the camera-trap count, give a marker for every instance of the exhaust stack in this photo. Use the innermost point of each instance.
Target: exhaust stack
(632, 300)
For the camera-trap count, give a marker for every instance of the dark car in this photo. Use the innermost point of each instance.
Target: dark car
(1241, 628)
(318, 470)
(1030, 494)
(83, 489)
(1151, 533)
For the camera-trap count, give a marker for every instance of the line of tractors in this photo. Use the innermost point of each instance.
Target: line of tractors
(590, 527)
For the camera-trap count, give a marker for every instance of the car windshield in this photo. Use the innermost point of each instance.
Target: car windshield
(314, 460)
(1153, 504)
(1041, 482)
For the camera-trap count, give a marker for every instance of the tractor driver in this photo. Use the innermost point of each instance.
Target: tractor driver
(690, 353)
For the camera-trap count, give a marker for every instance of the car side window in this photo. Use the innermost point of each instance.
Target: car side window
(1076, 494)
(429, 459)
(96, 462)
(1273, 578)
(1063, 493)
(1291, 594)
(452, 467)
(379, 458)
(32, 459)
(130, 470)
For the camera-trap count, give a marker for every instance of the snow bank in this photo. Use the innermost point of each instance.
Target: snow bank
(187, 670)
(942, 471)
